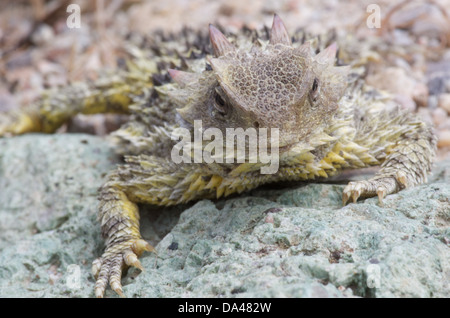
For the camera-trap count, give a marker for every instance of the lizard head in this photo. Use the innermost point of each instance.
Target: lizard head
(277, 86)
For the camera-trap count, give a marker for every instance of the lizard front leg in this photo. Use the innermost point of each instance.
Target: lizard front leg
(407, 164)
(119, 219)
(143, 179)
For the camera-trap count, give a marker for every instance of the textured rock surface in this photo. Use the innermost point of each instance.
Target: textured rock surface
(295, 241)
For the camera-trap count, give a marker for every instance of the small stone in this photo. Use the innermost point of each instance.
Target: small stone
(443, 138)
(269, 219)
(439, 116)
(173, 246)
(43, 34)
(420, 94)
(432, 102)
(425, 115)
(444, 102)
(394, 80)
(445, 124)
(405, 102)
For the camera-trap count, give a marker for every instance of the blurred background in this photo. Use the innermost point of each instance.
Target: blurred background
(38, 50)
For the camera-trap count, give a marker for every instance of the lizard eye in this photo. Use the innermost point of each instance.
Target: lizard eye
(220, 104)
(219, 100)
(315, 91)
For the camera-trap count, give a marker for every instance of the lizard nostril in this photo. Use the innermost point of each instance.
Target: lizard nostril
(256, 124)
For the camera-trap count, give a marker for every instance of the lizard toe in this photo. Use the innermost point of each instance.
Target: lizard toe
(109, 267)
(380, 187)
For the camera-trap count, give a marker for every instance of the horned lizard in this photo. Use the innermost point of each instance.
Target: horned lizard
(328, 120)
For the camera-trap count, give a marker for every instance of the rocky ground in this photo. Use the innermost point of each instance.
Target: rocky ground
(290, 241)
(295, 241)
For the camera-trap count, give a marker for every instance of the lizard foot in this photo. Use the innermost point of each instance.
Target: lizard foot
(16, 123)
(108, 268)
(380, 186)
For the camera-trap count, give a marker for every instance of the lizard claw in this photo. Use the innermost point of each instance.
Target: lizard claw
(355, 195)
(109, 267)
(352, 190)
(345, 197)
(369, 188)
(381, 192)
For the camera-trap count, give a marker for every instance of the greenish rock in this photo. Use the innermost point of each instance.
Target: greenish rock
(290, 241)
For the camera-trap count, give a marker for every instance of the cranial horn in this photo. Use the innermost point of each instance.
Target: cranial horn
(279, 34)
(182, 78)
(219, 42)
(328, 55)
(304, 49)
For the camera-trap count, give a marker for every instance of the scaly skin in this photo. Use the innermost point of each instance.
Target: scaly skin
(329, 120)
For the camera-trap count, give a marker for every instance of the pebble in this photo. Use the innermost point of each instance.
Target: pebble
(425, 115)
(439, 116)
(42, 35)
(269, 219)
(406, 102)
(443, 138)
(394, 80)
(420, 94)
(444, 102)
